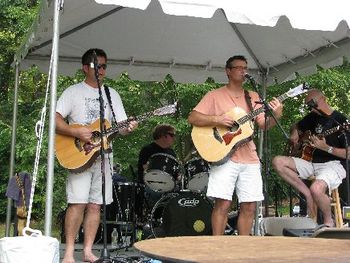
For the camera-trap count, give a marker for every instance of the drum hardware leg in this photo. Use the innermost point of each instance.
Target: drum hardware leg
(229, 230)
(183, 180)
(119, 215)
(127, 211)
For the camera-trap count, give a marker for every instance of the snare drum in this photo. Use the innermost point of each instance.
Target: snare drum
(181, 214)
(161, 172)
(197, 174)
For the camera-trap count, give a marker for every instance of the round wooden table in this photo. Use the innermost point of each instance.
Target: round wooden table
(245, 249)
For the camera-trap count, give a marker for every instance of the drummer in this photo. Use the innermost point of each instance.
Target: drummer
(163, 139)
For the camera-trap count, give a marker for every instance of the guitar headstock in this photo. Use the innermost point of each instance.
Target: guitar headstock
(302, 88)
(346, 125)
(166, 110)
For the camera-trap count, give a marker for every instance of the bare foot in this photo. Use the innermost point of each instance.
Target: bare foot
(89, 257)
(329, 223)
(68, 259)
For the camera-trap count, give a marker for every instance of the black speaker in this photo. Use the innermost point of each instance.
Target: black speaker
(332, 232)
(305, 232)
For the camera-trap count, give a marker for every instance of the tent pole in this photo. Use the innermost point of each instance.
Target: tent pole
(264, 150)
(52, 124)
(13, 148)
(261, 136)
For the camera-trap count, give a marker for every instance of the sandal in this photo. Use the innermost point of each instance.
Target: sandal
(321, 226)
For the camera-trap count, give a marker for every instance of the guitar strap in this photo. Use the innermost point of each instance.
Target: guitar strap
(248, 99)
(21, 209)
(21, 188)
(108, 94)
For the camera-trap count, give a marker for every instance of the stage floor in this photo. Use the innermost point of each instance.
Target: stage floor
(243, 249)
(229, 248)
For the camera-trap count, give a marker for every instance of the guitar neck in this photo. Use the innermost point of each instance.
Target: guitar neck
(331, 130)
(256, 112)
(113, 131)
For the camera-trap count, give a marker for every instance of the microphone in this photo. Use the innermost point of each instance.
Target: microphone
(312, 104)
(94, 62)
(247, 76)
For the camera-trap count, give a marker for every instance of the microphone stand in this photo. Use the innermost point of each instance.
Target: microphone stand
(105, 255)
(268, 110)
(133, 207)
(347, 166)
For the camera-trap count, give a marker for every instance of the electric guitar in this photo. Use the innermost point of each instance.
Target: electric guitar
(304, 150)
(76, 155)
(217, 144)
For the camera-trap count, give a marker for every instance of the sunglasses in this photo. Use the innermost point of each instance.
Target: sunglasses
(103, 66)
(171, 134)
(239, 68)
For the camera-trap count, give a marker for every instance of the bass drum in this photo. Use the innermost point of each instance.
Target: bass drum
(181, 214)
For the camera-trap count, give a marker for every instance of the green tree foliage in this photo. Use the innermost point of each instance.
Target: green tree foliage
(16, 17)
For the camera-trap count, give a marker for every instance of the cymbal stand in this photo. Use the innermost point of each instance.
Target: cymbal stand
(182, 181)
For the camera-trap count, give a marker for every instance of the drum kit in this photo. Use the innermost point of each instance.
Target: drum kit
(181, 207)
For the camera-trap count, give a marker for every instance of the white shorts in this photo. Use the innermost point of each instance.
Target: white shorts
(230, 176)
(332, 172)
(86, 187)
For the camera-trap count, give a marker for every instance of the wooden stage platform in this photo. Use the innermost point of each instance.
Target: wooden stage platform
(247, 249)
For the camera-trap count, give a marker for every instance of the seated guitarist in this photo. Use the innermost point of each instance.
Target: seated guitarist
(327, 160)
(242, 170)
(79, 104)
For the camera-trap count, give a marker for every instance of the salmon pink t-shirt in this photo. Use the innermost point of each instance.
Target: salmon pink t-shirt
(220, 101)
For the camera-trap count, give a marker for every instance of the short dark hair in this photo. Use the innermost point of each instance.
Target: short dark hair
(88, 56)
(238, 57)
(162, 130)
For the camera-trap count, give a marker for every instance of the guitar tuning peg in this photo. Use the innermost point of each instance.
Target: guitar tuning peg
(306, 86)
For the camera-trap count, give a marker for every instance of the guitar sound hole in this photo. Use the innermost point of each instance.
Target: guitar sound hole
(95, 139)
(78, 144)
(234, 127)
(217, 135)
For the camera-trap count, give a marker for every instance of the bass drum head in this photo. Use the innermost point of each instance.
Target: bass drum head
(183, 214)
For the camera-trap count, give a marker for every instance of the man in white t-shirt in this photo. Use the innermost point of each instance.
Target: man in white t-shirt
(79, 104)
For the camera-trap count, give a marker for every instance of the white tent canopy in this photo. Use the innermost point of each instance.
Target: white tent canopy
(192, 39)
(189, 39)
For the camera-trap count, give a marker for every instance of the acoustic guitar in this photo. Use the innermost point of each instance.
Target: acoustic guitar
(216, 144)
(76, 155)
(304, 150)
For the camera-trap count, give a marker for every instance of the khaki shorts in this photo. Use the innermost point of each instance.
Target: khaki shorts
(332, 172)
(86, 187)
(230, 176)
